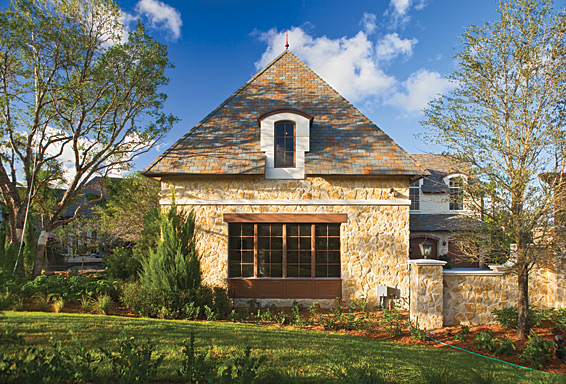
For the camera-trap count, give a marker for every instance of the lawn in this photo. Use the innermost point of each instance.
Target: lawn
(305, 356)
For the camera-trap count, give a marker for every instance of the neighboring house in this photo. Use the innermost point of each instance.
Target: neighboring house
(436, 209)
(297, 194)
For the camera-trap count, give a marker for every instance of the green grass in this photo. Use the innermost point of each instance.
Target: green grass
(310, 357)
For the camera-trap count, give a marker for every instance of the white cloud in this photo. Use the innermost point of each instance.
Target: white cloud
(368, 23)
(391, 46)
(421, 87)
(399, 11)
(359, 68)
(161, 15)
(347, 64)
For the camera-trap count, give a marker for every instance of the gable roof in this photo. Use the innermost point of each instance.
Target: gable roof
(342, 140)
(439, 166)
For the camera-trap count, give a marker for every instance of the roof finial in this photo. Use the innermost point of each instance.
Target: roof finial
(287, 39)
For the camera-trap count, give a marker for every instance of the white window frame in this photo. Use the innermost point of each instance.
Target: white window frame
(418, 187)
(302, 142)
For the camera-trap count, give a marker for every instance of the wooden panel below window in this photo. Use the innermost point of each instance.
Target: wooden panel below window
(295, 218)
(285, 288)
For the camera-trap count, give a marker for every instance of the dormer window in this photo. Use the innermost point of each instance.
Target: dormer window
(285, 137)
(284, 144)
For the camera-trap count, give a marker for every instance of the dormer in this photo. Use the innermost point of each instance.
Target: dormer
(285, 137)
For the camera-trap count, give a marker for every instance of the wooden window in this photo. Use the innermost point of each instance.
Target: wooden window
(282, 250)
(456, 195)
(285, 144)
(327, 244)
(415, 195)
(241, 250)
(270, 250)
(299, 250)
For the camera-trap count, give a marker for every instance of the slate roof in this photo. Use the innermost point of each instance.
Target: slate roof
(436, 222)
(439, 166)
(342, 140)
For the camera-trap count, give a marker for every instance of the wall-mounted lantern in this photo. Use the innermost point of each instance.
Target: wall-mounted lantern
(426, 248)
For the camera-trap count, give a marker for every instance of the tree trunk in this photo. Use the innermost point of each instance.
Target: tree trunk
(40, 257)
(524, 320)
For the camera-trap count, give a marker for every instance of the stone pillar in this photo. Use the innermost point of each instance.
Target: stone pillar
(426, 285)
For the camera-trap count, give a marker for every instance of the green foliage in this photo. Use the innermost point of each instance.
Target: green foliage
(123, 263)
(504, 347)
(196, 367)
(241, 369)
(71, 288)
(102, 304)
(58, 304)
(504, 124)
(40, 365)
(77, 54)
(128, 215)
(537, 350)
(363, 373)
(508, 316)
(189, 304)
(416, 332)
(485, 340)
(174, 266)
(392, 321)
(132, 362)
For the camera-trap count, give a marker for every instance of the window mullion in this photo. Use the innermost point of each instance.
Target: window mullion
(313, 264)
(255, 249)
(284, 250)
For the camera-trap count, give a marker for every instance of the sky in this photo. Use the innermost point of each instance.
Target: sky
(389, 58)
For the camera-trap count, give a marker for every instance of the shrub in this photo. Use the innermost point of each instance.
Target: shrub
(187, 304)
(58, 304)
(504, 346)
(485, 340)
(132, 361)
(102, 304)
(392, 322)
(174, 265)
(537, 350)
(71, 288)
(123, 263)
(196, 367)
(416, 332)
(241, 369)
(509, 316)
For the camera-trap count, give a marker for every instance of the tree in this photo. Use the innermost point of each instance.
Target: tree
(79, 97)
(122, 217)
(174, 265)
(503, 120)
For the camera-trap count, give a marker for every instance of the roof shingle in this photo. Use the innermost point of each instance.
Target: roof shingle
(342, 140)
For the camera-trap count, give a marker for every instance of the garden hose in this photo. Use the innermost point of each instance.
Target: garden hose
(487, 357)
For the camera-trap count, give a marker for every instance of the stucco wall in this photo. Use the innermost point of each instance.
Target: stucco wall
(374, 241)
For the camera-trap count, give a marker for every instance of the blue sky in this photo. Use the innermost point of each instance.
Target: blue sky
(388, 57)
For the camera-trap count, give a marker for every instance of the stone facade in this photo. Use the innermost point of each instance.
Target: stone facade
(426, 293)
(374, 240)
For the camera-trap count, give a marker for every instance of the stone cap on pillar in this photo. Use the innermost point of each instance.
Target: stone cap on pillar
(430, 262)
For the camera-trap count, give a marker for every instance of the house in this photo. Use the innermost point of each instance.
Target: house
(436, 211)
(297, 194)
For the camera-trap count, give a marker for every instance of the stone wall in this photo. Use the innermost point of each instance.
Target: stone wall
(426, 293)
(471, 296)
(374, 241)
